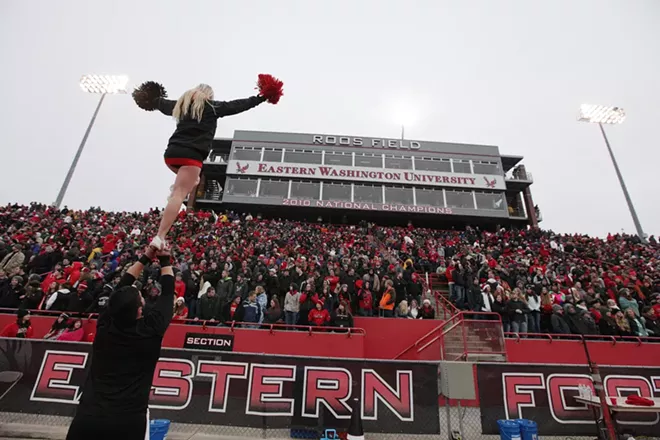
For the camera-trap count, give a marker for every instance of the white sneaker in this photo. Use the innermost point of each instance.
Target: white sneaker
(158, 243)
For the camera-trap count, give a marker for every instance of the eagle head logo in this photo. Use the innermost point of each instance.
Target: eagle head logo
(490, 183)
(240, 169)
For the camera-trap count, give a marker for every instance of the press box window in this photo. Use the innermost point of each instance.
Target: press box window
(398, 162)
(336, 191)
(368, 194)
(433, 164)
(368, 160)
(335, 158)
(272, 155)
(461, 166)
(459, 199)
(399, 195)
(246, 153)
(490, 201)
(241, 187)
(429, 197)
(303, 156)
(274, 188)
(481, 167)
(305, 190)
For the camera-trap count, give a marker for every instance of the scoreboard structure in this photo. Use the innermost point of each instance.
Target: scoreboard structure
(356, 178)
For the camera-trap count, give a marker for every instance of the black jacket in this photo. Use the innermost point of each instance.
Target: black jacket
(124, 356)
(190, 133)
(559, 325)
(209, 307)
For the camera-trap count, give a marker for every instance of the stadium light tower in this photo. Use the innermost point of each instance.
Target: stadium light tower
(600, 114)
(101, 85)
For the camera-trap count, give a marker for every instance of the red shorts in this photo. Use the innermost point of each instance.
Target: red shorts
(182, 162)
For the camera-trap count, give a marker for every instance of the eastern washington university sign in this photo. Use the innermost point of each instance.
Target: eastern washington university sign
(365, 174)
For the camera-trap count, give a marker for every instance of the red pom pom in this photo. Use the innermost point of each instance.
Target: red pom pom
(270, 88)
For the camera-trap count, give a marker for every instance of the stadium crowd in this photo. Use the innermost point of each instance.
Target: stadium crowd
(253, 271)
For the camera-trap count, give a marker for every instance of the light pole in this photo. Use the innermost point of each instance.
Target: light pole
(99, 84)
(600, 114)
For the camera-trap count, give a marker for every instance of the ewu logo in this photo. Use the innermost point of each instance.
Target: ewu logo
(241, 169)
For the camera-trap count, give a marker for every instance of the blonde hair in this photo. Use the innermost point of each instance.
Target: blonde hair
(192, 102)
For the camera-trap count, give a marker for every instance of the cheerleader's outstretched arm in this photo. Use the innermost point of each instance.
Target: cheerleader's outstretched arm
(166, 106)
(228, 108)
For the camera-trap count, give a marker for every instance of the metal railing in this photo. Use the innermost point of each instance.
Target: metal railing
(206, 324)
(525, 176)
(589, 338)
(463, 338)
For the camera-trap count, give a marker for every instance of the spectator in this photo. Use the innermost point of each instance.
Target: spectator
(387, 300)
(273, 314)
(209, 306)
(225, 288)
(60, 300)
(21, 328)
(414, 312)
(607, 324)
(74, 332)
(81, 300)
(58, 327)
(517, 310)
(534, 305)
(234, 310)
(179, 286)
(557, 322)
(622, 323)
(637, 325)
(292, 302)
(240, 287)
(626, 301)
(251, 311)
(365, 299)
(427, 311)
(651, 321)
(307, 305)
(262, 301)
(12, 294)
(13, 261)
(500, 308)
(342, 317)
(402, 310)
(33, 295)
(180, 311)
(319, 316)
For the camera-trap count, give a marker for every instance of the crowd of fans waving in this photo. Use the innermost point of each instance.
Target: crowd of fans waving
(255, 272)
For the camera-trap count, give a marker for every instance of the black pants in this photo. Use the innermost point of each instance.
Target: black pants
(134, 427)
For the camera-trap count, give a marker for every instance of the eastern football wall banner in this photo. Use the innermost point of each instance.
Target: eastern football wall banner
(545, 394)
(225, 388)
(364, 174)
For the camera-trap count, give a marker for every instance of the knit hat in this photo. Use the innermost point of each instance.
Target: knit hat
(556, 308)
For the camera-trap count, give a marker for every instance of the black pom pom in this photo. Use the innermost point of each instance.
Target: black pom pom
(147, 94)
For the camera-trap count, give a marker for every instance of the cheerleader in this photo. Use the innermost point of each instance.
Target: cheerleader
(196, 115)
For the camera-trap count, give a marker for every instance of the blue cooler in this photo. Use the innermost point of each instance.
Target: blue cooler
(509, 429)
(158, 429)
(529, 430)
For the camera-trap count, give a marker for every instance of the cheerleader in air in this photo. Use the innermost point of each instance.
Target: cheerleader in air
(196, 115)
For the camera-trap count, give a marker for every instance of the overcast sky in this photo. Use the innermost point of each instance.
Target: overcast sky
(510, 73)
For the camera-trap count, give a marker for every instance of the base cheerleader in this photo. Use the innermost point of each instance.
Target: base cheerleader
(196, 115)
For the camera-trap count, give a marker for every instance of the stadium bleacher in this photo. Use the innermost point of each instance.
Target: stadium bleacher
(322, 275)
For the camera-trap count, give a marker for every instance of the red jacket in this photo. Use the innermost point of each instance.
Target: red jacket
(14, 331)
(318, 317)
(180, 288)
(366, 300)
